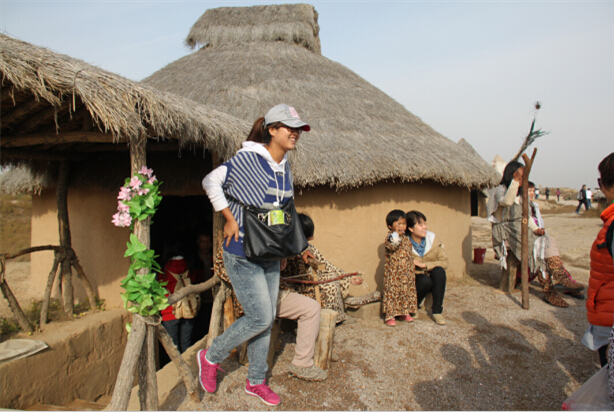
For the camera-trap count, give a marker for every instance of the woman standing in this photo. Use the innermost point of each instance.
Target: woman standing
(431, 263)
(258, 175)
(600, 295)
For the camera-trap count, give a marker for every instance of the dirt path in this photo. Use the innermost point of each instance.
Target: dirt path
(492, 355)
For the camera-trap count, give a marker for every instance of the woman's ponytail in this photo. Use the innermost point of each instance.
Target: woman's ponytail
(258, 132)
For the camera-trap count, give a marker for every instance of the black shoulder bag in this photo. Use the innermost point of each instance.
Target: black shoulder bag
(272, 234)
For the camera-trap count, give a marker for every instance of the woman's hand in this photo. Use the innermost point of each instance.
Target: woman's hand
(231, 228)
(306, 255)
(356, 280)
(420, 265)
(518, 174)
(283, 264)
(539, 232)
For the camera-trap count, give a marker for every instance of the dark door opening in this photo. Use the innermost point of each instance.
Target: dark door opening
(176, 227)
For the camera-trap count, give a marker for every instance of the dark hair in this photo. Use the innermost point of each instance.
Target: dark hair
(260, 132)
(413, 217)
(394, 216)
(306, 225)
(606, 170)
(531, 184)
(508, 173)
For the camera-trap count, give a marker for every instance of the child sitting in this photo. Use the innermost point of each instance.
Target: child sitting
(400, 296)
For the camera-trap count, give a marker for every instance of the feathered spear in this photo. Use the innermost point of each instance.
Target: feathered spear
(532, 136)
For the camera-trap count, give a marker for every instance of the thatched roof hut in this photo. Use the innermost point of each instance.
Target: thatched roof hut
(249, 59)
(59, 110)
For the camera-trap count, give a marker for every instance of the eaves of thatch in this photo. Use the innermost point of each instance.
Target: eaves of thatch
(250, 60)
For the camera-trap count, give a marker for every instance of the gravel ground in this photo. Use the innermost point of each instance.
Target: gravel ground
(492, 354)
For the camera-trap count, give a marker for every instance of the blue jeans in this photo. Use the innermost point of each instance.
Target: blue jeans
(180, 331)
(256, 286)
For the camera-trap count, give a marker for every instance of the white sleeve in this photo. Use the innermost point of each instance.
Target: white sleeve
(212, 183)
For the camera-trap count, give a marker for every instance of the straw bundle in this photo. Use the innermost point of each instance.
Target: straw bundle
(37, 78)
(359, 136)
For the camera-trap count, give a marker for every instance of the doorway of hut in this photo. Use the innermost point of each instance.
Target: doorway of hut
(181, 226)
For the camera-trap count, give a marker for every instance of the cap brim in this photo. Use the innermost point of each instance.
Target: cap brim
(297, 124)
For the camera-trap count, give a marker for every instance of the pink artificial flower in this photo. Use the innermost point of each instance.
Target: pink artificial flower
(143, 191)
(127, 219)
(122, 207)
(145, 171)
(152, 179)
(135, 182)
(116, 220)
(124, 194)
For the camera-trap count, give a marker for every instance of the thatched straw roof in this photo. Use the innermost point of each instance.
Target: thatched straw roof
(293, 24)
(359, 134)
(53, 102)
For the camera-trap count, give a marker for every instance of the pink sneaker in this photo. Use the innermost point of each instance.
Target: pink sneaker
(391, 322)
(406, 318)
(207, 372)
(263, 392)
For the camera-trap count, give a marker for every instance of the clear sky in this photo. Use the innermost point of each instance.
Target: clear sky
(470, 69)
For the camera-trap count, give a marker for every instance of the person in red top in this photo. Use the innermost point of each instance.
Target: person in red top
(600, 295)
(180, 330)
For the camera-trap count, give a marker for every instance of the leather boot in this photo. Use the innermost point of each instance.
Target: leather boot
(554, 299)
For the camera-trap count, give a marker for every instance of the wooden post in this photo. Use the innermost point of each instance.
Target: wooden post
(138, 159)
(229, 318)
(125, 377)
(217, 313)
(275, 329)
(525, 229)
(91, 296)
(65, 239)
(54, 269)
(148, 384)
(324, 343)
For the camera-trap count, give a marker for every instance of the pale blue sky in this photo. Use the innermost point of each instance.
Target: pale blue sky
(471, 70)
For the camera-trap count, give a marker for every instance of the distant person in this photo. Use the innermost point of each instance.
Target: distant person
(431, 263)
(600, 295)
(582, 200)
(547, 193)
(536, 193)
(201, 267)
(558, 195)
(589, 197)
(400, 296)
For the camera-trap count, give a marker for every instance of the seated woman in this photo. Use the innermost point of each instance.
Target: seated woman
(559, 274)
(332, 294)
(431, 263)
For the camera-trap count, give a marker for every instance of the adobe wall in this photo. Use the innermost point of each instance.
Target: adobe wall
(99, 245)
(350, 226)
(350, 230)
(82, 362)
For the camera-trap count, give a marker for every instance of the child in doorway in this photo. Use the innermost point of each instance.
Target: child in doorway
(400, 296)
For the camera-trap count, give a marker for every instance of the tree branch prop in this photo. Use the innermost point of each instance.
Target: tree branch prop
(524, 230)
(319, 282)
(532, 136)
(198, 288)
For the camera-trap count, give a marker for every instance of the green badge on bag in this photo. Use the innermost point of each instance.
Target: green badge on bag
(276, 217)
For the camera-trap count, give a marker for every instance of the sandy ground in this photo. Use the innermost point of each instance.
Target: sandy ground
(492, 354)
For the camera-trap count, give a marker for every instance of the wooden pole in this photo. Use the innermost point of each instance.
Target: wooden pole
(74, 261)
(13, 304)
(525, 229)
(326, 337)
(148, 384)
(217, 313)
(65, 239)
(125, 377)
(47, 297)
(188, 379)
(138, 159)
(229, 318)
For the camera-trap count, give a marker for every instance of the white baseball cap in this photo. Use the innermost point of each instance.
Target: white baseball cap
(286, 115)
